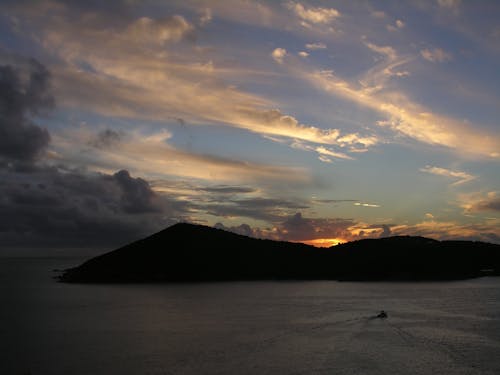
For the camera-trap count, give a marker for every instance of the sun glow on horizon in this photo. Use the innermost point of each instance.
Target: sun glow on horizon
(324, 242)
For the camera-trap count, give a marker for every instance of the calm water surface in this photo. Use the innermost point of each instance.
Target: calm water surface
(243, 328)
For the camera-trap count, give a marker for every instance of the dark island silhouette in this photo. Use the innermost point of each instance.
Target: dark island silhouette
(196, 253)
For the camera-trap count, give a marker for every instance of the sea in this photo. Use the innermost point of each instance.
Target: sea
(268, 327)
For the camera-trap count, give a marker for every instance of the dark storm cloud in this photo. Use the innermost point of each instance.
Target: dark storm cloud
(59, 206)
(20, 100)
(137, 196)
(50, 206)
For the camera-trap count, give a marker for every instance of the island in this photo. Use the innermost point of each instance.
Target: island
(196, 253)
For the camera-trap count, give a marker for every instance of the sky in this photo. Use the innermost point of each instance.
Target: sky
(319, 122)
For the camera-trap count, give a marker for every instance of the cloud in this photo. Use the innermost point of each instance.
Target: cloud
(315, 15)
(224, 189)
(461, 176)
(397, 25)
(257, 208)
(404, 116)
(322, 201)
(20, 137)
(356, 142)
(110, 71)
(147, 30)
(327, 232)
(153, 155)
(435, 55)
(353, 142)
(60, 207)
(388, 63)
(274, 122)
(278, 55)
(327, 152)
(322, 232)
(295, 227)
(300, 228)
(451, 230)
(106, 138)
(315, 46)
(137, 196)
(386, 231)
(387, 51)
(303, 54)
(361, 204)
(490, 204)
(325, 159)
(480, 202)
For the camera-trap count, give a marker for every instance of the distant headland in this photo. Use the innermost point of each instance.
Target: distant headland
(196, 253)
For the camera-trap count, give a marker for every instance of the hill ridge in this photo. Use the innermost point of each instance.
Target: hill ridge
(190, 252)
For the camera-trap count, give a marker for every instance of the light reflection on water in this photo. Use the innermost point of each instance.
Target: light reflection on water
(244, 328)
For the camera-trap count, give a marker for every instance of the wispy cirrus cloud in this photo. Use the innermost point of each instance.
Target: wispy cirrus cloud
(323, 151)
(460, 176)
(326, 154)
(132, 70)
(404, 116)
(153, 155)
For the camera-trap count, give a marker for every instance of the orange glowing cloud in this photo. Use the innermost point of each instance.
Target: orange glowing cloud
(403, 115)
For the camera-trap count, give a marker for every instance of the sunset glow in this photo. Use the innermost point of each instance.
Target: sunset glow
(324, 242)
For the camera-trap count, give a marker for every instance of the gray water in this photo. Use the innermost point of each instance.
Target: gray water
(244, 327)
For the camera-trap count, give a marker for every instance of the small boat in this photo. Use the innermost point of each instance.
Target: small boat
(382, 315)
